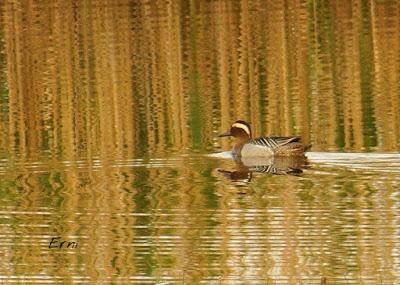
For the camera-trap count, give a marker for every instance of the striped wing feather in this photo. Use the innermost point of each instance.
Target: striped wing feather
(274, 142)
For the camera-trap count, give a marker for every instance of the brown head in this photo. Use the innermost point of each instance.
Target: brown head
(240, 130)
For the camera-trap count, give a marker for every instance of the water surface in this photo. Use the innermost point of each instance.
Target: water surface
(109, 116)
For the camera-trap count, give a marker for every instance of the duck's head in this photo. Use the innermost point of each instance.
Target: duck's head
(240, 130)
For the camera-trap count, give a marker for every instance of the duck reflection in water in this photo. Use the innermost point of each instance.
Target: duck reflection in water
(245, 167)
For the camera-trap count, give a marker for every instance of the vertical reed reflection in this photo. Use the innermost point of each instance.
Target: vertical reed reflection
(121, 79)
(90, 206)
(167, 221)
(97, 80)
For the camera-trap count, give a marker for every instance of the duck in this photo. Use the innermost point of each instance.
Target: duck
(274, 146)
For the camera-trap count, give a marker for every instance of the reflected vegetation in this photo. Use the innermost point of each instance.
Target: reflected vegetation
(107, 109)
(154, 220)
(135, 79)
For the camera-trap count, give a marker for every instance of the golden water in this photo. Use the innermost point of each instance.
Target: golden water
(108, 110)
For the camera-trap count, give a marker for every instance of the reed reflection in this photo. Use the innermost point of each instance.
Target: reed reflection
(97, 97)
(156, 221)
(129, 80)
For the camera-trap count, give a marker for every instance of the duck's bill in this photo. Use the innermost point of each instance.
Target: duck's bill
(227, 134)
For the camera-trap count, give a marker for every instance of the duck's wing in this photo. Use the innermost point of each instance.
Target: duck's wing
(274, 142)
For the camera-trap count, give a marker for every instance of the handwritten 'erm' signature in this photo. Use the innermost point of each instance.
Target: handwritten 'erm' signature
(56, 242)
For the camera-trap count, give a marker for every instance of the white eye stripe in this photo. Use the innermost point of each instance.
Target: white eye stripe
(241, 126)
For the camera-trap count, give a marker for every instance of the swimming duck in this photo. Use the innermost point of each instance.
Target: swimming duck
(245, 146)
